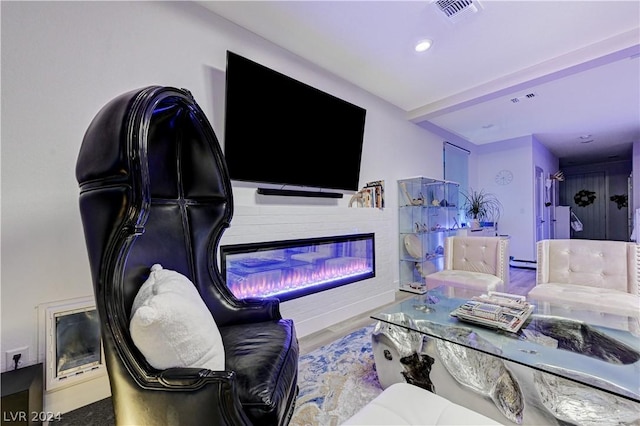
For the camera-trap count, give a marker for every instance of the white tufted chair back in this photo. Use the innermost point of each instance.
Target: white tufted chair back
(593, 263)
(488, 255)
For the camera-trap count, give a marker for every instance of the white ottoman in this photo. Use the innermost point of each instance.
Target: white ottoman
(405, 404)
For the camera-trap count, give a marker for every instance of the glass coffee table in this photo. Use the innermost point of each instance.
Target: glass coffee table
(553, 370)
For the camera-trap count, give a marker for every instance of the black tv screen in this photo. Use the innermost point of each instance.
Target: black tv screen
(281, 131)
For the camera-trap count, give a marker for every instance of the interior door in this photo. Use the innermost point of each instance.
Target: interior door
(591, 212)
(542, 219)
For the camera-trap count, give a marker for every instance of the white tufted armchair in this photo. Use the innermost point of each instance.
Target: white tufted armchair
(473, 265)
(600, 276)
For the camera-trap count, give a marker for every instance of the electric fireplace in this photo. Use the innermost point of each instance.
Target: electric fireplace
(294, 268)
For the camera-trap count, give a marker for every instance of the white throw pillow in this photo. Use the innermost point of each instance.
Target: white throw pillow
(171, 325)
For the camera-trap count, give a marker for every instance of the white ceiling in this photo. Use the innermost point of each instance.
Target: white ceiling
(580, 60)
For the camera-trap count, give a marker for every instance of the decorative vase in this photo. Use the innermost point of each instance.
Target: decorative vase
(475, 224)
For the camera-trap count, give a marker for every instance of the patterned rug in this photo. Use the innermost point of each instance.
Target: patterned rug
(336, 380)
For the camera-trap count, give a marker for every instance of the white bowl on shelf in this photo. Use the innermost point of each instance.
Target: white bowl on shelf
(413, 245)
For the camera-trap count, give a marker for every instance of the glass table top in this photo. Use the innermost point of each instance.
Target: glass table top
(573, 347)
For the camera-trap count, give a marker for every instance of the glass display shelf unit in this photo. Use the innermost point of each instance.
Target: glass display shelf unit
(428, 214)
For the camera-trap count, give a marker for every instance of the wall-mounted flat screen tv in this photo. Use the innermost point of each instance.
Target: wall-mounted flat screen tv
(281, 131)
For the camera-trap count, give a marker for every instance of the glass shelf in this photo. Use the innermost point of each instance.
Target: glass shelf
(427, 216)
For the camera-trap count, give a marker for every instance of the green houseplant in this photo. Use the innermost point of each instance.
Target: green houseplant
(481, 206)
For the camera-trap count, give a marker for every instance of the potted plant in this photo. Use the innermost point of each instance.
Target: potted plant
(481, 206)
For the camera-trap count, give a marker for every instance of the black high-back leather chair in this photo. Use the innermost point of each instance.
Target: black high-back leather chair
(154, 188)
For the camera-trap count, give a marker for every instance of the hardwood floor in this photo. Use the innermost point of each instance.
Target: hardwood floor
(521, 281)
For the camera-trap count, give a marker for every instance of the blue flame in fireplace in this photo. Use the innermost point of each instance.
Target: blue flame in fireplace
(296, 268)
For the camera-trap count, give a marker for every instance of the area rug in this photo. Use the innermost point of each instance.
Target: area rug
(336, 380)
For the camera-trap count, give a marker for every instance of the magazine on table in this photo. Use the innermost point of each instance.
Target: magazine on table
(503, 311)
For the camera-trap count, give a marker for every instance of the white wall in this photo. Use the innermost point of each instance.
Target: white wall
(520, 156)
(518, 214)
(62, 61)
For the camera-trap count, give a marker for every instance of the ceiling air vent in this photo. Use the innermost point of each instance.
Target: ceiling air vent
(455, 10)
(523, 97)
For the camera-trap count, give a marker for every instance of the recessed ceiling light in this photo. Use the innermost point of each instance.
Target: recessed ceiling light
(588, 141)
(585, 136)
(487, 126)
(423, 45)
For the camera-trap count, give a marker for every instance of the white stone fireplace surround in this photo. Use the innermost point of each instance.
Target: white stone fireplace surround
(317, 311)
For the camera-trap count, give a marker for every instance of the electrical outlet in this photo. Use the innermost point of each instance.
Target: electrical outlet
(10, 364)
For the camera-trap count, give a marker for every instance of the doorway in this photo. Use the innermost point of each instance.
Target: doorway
(543, 219)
